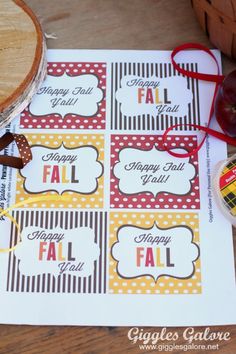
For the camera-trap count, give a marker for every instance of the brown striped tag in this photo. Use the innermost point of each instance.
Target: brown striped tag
(23, 148)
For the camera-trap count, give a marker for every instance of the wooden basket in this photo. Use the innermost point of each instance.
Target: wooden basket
(218, 19)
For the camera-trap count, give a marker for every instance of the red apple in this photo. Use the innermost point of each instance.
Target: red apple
(225, 105)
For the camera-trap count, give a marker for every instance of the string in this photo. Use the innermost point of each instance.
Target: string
(217, 79)
(23, 148)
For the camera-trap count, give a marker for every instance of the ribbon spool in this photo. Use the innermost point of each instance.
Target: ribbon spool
(22, 58)
(224, 182)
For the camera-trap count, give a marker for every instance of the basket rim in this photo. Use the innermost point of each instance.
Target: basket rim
(216, 14)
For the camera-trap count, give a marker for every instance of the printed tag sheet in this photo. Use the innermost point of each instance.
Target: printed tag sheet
(139, 240)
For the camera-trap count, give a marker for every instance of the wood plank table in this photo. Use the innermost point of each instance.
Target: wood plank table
(120, 24)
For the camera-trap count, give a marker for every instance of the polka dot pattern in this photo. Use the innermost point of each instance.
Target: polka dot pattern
(70, 121)
(146, 284)
(85, 201)
(23, 147)
(147, 200)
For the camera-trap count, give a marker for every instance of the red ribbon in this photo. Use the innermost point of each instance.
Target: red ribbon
(218, 79)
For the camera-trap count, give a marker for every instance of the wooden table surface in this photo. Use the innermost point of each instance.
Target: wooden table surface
(120, 24)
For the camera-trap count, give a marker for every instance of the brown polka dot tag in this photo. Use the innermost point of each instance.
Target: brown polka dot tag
(23, 148)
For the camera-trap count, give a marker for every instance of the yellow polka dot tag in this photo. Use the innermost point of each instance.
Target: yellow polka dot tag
(55, 176)
(154, 253)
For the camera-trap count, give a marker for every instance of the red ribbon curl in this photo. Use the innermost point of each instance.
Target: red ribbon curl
(217, 79)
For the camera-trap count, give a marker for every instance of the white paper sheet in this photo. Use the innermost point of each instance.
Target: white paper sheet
(141, 240)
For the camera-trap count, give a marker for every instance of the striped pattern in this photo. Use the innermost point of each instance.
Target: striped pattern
(65, 283)
(147, 121)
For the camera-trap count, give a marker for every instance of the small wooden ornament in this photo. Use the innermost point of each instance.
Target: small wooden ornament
(22, 58)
